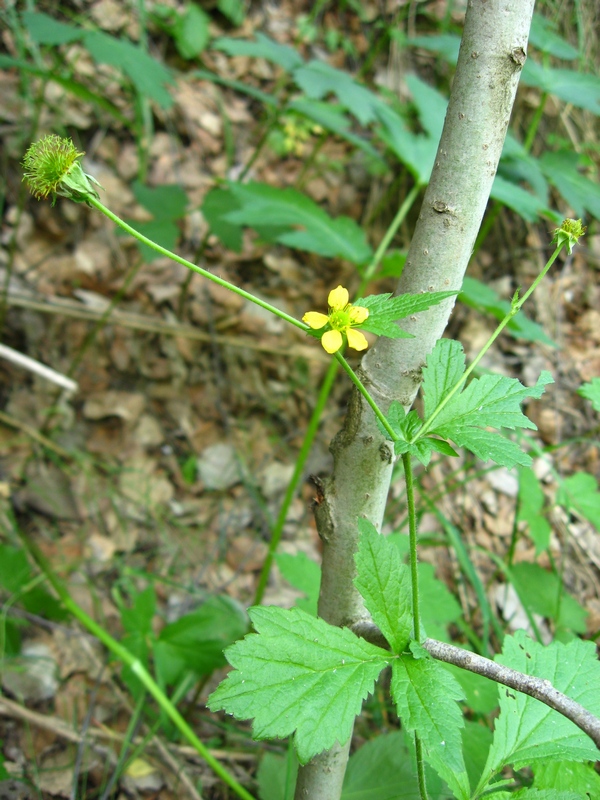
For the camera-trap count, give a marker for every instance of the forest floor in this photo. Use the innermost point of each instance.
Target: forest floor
(167, 464)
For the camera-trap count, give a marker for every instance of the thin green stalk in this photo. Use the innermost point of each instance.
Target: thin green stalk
(136, 666)
(516, 306)
(362, 389)
(534, 124)
(126, 744)
(309, 436)
(195, 268)
(412, 533)
(407, 203)
(421, 780)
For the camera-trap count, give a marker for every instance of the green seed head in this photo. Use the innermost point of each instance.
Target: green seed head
(569, 232)
(51, 168)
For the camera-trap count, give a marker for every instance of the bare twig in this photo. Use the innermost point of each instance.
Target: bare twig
(539, 688)
(37, 368)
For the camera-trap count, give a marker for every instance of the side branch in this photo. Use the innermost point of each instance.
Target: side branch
(539, 688)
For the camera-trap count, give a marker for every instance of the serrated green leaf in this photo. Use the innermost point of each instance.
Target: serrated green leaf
(543, 593)
(486, 445)
(299, 675)
(445, 366)
(441, 446)
(568, 776)
(477, 295)
(44, 29)
(148, 75)
(384, 582)
(581, 193)
(580, 492)
(191, 32)
(527, 732)
(591, 392)
(578, 88)
(530, 504)
(425, 694)
(290, 210)
(263, 47)
(385, 310)
(303, 574)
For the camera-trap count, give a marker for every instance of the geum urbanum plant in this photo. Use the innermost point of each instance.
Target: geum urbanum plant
(297, 675)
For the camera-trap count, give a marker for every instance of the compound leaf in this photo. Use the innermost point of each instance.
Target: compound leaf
(298, 675)
(489, 401)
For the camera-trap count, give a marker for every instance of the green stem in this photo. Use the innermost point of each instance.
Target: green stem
(136, 666)
(412, 533)
(205, 273)
(361, 388)
(421, 780)
(390, 233)
(516, 306)
(534, 124)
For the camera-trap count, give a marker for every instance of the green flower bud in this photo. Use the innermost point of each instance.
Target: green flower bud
(52, 168)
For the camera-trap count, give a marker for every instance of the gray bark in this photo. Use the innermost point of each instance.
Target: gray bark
(491, 56)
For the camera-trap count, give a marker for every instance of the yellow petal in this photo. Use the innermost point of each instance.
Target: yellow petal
(332, 341)
(358, 314)
(356, 340)
(315, 319)
(338, 298)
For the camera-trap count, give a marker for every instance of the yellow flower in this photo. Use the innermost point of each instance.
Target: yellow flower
(343, 317)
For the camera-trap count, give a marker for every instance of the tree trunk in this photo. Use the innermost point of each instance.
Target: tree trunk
(491, 56)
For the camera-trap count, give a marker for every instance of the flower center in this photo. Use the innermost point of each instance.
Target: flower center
(340, 320)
